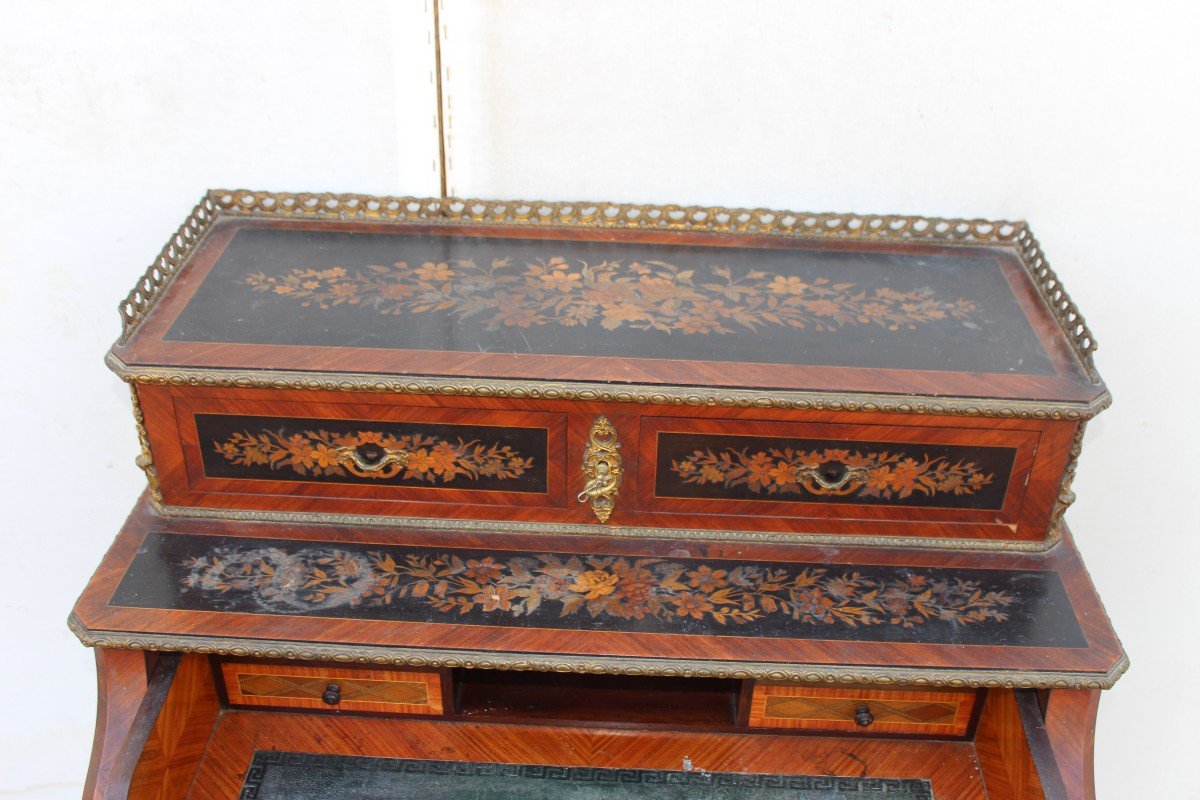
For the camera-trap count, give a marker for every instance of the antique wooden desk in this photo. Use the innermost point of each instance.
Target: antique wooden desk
(465, 499)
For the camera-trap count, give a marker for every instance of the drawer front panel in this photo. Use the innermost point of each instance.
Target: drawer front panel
(332, 689)
(414, 455)
(542, 462)
(799, 469)
(708, 466)
(374, 452)
(866, 711)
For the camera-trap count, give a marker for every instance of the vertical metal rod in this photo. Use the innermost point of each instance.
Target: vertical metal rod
(441, 127)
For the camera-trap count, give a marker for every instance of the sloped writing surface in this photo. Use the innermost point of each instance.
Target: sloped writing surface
(593, 592)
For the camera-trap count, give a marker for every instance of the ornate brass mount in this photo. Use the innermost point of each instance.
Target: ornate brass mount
(832, 478)
(601, 468)
(387, 465)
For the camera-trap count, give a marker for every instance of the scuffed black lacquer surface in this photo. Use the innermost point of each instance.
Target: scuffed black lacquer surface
(794, 306)
(595, 592)
(301, 776)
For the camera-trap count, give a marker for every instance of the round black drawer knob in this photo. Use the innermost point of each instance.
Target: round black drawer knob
(332, 695)
(863, 717)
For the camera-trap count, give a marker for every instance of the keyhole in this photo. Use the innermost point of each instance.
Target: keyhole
(833, 471)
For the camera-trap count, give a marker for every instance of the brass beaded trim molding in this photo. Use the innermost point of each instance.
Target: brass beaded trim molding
(675, 668)
(711, 219)
(554, 528)
(145, 459)
(657, 395)
(1065, 496)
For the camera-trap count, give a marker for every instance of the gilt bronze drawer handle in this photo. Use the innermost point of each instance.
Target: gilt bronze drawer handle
(601, 468)
(387, 465)
(832, 478)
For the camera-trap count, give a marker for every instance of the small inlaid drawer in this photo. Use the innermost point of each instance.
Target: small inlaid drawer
(956, 475)
(249, 683)
(945, 712)
(376, 458)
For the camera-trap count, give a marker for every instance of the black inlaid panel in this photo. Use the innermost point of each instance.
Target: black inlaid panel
(421, 454)
(524, 296)
(588, 592)
(722, 467)
(312, 776)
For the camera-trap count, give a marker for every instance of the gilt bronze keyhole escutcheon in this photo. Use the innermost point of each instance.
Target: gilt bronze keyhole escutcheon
(602, 469)
(372, 461)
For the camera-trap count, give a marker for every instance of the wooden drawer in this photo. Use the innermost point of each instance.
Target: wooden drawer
(252, 683)
(831, 471)
(689, 473)
(374, 457)
(941, 713)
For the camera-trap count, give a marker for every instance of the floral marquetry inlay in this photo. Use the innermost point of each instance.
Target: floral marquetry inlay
(320, 579)
(642, 295)
(373, 454)
(785, 470)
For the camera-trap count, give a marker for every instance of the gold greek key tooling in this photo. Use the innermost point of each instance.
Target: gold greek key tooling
(601, 468)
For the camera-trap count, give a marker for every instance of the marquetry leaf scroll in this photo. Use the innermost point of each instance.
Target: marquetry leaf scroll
(640, 295)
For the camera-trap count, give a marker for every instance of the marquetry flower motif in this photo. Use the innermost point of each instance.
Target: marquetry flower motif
(427, 458)
(884, 474)
(319, 578)
(641, 295)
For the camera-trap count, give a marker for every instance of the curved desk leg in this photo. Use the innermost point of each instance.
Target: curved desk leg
(129, 698)
(1071, 727)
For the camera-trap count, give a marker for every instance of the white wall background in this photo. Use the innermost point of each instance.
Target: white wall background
(1079, 116)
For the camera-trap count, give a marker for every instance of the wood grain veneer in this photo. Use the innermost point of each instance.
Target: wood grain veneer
(131, 690)
(176, 744)
(1070, 723)
(944, 713)
(951, 767)
(1004, 756)
(1042, 450)
(283, 685)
